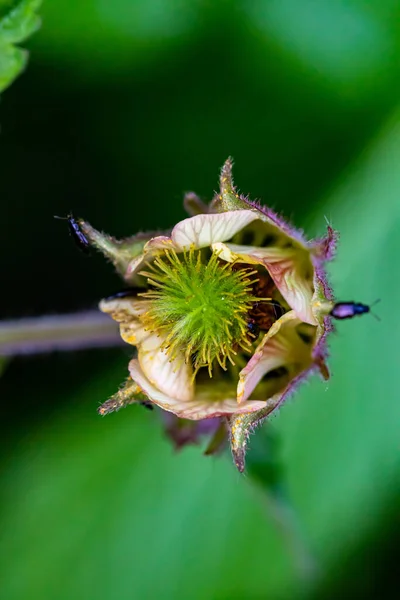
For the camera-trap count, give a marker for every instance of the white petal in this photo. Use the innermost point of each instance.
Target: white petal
(290, 268)
(199, 231)
(161, 242)
(206, 409)
(204, 230)
(134, 333)
(282, 346)
(196, 409)
(135, 265)
(127, 311)
(172, 377)
(124, 309)
(153, 247)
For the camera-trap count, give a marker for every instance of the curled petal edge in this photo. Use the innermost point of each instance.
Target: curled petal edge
(196, 409)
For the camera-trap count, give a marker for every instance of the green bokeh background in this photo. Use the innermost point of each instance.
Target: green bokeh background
(125, 105)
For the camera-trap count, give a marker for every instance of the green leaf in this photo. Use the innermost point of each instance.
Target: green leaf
(12, 63)
(341, 439)
(21, 22)
(16, 25)
(344, 42)
(119, 514)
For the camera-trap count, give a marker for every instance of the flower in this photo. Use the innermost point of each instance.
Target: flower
(228, 312)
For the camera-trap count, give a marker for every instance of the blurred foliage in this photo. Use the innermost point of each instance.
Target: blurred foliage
(125, 106)
(18, 20)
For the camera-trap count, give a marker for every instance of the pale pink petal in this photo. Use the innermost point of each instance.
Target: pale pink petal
(290, 268)
(161, 242)
(153, 247)
(127, 312)
(201, 407)
(199, 231)
(203, 230)
(172, 377)
(134, 333)
(135, 265)
(205, 409)
(282, 346)
(124, 309)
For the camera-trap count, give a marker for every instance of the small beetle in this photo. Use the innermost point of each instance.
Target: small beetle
(348, 310)
(147, 405)
(76, 232)
(253, 328)
(127, 293)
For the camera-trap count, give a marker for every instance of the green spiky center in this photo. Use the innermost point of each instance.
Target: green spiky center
(200, 307)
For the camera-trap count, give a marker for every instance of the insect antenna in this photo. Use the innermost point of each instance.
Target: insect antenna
(76, 232)
(377, 317)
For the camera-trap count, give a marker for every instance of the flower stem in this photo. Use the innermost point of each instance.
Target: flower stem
(35, 335)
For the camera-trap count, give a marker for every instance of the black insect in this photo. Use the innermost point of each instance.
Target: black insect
(129, 292)
(264, 314)
(76, 232)
(147, 405)
(348, 310)
(253, 328)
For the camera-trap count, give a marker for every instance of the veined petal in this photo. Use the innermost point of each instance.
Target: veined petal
(124, 310)
(172, 377)
(201, 406)
(203, 230)
(153, 247)
(127, 312)
(199, 231)
(287, 346)
(134, 333)
(290, 268)
(242, 425)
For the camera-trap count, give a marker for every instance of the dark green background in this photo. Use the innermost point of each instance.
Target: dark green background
(125, 105)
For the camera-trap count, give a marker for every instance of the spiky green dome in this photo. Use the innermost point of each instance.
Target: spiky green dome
(199, 306)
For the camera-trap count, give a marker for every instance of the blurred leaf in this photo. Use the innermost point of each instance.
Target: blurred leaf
(21, 21)
(345, 43)
(264, 460)
(342, 439)
(15, 26)
(104, 508)
(154, 20)
(12, 63)
(115, 35)
(265, 467)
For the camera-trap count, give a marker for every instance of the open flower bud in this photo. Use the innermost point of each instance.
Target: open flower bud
(230, 310)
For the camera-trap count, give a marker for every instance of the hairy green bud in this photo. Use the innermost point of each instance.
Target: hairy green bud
(199, 306)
